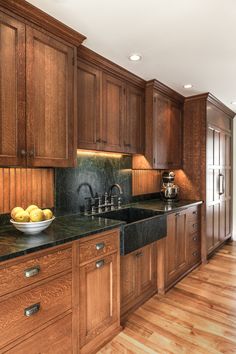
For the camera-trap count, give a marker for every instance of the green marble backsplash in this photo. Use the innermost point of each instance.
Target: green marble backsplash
(100, 172)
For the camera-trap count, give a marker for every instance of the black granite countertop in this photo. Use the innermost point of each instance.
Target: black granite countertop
(64, 229)
(167, 207)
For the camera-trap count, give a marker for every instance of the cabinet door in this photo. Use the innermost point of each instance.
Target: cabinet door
(50, 74)
(167, 133)
(89, 106)
(147, 269)
(99, 297)
(176, 247)
(134, 121)
(161, 131)
(12, 91)
(128, 281)
(113, 113)
(175, 136)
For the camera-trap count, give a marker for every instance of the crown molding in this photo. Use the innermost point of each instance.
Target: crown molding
(159, 86)
(40, 18)
(92, 57)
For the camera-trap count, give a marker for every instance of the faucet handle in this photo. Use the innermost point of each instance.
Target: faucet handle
(119, 202)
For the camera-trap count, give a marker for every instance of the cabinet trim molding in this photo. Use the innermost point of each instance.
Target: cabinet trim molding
(43, 20)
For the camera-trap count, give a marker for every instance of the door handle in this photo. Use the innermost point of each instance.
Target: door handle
(221, 184)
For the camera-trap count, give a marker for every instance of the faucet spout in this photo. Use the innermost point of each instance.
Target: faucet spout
(116, 185)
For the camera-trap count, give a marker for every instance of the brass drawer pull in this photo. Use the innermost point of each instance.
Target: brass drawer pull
(31, 272)
(195, 225)
(195, 254)
(195, 238)
(100, 246)
(30, 311)
(194, 212)
(100, 264)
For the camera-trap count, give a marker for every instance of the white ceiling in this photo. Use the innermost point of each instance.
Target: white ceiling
(181, 41)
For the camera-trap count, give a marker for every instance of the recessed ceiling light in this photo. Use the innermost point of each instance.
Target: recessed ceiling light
(233, 102)
(187, 86)
(135, 57)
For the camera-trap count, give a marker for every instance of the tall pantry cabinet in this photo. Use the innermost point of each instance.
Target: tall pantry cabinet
(208, 128)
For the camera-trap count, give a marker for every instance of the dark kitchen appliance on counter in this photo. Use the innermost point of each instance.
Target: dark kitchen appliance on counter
(169, 190)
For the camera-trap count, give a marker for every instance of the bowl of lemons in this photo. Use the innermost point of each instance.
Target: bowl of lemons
(31, 220)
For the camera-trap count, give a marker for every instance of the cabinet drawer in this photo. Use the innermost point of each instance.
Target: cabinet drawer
(98, 246)
(194, 255)
(58, 340)
(26, 311)
(21, 274)
(194, 241)
(194, 213)
(193, 227)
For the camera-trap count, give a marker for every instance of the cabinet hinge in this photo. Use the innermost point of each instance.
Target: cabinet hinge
(154, 160)
(73, 60)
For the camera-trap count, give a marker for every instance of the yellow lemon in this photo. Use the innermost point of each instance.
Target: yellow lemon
(22, 216)
(47, 214)
(15, 211)
(36, 215)
(31, 207)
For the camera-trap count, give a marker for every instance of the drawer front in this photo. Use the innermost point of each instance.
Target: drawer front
(98, 246)
(193, 227)
(194, 256)
(25, 273)
(194, 241)
(194, 213)
(58, 340)
(25, 312)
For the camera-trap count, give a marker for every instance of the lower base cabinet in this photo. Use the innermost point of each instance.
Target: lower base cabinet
(99, 294)
(182, 248)
(138, 277)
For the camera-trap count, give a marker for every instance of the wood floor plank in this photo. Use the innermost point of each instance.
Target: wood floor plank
(197, 316)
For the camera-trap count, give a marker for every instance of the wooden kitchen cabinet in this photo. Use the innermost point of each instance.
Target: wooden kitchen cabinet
(50, 100)
(110, 106)
(12, 91)
(113, 109)
(36, 303)
(163, 146)
(38, 91)
(134, 120)
(138, 277)
(208, 131)
(182, 244)
(99, 294)
(89, 106)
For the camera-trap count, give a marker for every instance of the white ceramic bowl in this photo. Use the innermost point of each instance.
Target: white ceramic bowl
(32, 228)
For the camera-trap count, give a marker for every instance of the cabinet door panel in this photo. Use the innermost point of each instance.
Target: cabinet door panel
(147, 269)
(50, 101)
(12, 91)
(128, 275)
(175, 137)
(113, 113)
(99, 294)
(181, 240)
(161, 128)
(89, 105)
(134, 122)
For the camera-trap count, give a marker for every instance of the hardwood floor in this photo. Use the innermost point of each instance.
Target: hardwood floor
(197, 316)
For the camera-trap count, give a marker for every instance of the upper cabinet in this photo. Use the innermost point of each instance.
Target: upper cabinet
(37, 89)
(110, 106)
(163, 148)
(12, 90)
(50, 101)
(113, 113)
